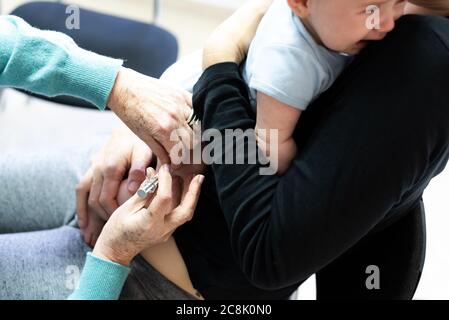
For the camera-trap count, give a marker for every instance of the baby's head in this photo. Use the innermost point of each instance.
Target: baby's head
(435, 7)
(344, 25)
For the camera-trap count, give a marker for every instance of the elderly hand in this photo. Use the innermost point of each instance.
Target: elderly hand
(152, 109)
(132, 227)
(230, 41)
(96, 194)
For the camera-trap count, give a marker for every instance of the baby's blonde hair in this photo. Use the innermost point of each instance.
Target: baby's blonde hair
(439, 6)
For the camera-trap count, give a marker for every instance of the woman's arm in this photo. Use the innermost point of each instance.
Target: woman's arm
(136, 225)
(361, 160)
(50, 63)
(257, 208)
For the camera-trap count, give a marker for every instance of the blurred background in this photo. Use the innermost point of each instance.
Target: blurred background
(190, 21)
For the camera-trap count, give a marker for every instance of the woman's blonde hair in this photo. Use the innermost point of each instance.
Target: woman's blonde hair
(439, 6)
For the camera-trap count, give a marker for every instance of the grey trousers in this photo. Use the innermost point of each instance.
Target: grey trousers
(41, 250)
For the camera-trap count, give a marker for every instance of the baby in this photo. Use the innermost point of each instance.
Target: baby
(300, 48)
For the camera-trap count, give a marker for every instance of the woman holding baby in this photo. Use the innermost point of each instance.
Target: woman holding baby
(364, 151)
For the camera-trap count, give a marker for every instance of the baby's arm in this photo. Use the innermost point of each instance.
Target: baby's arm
(273, 114)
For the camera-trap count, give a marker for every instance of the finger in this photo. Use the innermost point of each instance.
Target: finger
(187, 109)
(186, 136)
(191, 193)
(158, 164)
(96, 233)
(141, 159)
(185, 132)
(184, 212)
(183, 154)
(92, 232)
(136, 203)
(159, 151)
(82, 194)
(175, 147)
(87, 238)
(188, 98)
(162, 202)
(151, 172)
(112, 177)
(94, 195)
(172, 143)
(94, 240)
(108, 195)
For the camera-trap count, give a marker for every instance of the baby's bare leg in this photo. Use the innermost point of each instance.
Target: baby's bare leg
(167, 259)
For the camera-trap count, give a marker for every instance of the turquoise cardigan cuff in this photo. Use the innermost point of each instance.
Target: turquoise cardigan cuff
(100, 280)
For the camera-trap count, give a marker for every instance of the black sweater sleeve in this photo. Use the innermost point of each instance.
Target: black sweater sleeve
(361, 163)
(257, 208)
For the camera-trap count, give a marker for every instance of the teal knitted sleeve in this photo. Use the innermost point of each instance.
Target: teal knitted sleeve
(100, 280)
(51, 64)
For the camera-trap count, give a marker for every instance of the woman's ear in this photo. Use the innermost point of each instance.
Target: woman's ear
(299, 7)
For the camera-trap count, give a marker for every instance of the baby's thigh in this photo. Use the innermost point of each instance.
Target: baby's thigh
(37, 187)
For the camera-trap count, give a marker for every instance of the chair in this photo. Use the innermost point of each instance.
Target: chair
(145, 47)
